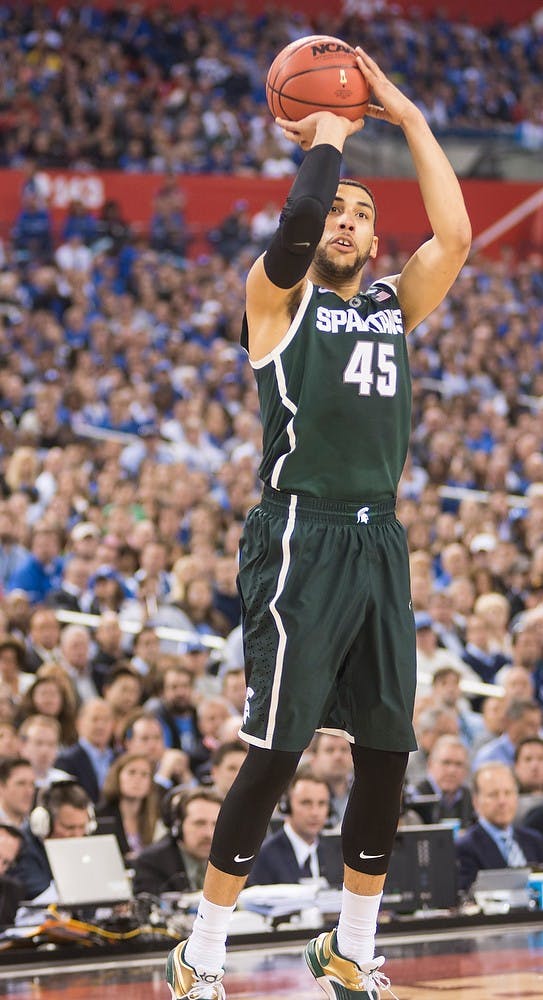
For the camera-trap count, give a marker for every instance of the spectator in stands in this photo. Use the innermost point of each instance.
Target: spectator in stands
(9, 740)
(447, 624)
(234, 689)
(477, 653)
(446, 691)
(528, 654)
(11, 891)
(195, 657)
(17, 789)
(123, 692)
(493, 841)
(75, 648)
(430, 656)
(212, 713)
(51, 695)
(43, 639)
(12, 553)
(73, 586)
(224, 764)
(41, 572)
(143, 734)
(331, 760)
(62, 810)
(129, 798)
(522, 720)
(79, 222)
(495, 612)
(517, 684)
(177, 862)
(32, 232)
(297, 851)
(39, 737)
(145, 653)
(12, 668)
(90, 758)
(430, 724)
(493, 718)
(108, 651)
(176, 712)
(528, 771)
(448, 771)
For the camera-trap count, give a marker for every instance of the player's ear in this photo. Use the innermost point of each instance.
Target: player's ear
(374, 247)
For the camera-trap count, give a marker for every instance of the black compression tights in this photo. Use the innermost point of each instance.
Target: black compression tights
(247, 809)
(373, 809)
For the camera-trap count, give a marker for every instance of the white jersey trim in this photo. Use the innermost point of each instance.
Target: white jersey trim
(289, 335)
(281, 646)
(336, 732)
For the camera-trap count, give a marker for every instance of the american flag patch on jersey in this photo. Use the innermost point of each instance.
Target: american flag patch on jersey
(381, 295)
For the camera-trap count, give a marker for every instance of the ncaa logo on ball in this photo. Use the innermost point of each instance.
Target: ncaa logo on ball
(329, 49)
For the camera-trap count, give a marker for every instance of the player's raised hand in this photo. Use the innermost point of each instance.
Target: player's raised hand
(394, 106)
(323, 123)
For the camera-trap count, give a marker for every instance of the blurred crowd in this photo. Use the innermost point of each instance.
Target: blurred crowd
(129, 450)
(182, 92)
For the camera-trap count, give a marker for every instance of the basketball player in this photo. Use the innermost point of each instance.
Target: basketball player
(328, 627)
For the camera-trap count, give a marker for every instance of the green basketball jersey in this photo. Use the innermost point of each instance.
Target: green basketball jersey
(335, 398)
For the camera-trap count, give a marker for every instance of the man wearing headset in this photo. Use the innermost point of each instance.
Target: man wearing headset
(63, 810)
(177, 862)
(297, 851)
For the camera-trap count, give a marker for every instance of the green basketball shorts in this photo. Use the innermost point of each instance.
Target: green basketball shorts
(328, 628)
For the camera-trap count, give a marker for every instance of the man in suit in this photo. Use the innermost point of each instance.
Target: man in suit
(448, 768)
(178, 861)
(62, 810)
(11, 891)
(297, 851)
(494, 842)
(90, 758)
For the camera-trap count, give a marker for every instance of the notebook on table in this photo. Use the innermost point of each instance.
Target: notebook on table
(88, 870)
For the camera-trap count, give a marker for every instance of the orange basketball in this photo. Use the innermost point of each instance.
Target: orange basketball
(316, 73)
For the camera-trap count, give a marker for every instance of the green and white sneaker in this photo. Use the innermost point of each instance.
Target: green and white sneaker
(187, 983)
(340, 978)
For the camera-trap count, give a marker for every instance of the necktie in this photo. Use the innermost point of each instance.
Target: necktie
(305, 870)
(512, 851)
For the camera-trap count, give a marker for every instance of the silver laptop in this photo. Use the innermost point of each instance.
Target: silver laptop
(88, 870)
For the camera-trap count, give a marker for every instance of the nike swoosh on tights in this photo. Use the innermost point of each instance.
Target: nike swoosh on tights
(365, 856)
(240, 860)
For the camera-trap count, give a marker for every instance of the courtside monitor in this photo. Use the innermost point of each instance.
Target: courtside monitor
(422, 870)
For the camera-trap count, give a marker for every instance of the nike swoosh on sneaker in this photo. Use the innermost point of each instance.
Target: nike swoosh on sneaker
(365, 856)
(240, 860)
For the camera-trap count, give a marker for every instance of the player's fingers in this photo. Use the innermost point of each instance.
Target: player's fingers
(376, 111)
(366, 59)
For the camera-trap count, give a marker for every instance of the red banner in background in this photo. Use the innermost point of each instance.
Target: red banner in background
(210, 198)
(486, 12)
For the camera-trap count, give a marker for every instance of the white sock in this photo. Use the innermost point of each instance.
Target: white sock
(206, 946)
(357, 925)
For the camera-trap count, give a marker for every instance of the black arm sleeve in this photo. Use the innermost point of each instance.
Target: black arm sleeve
(303, 217)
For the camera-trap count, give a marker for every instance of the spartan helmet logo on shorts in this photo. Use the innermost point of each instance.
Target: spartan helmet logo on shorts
(247, 706)
(362, 516)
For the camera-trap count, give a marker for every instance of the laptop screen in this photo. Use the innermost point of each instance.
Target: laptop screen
(88, 870)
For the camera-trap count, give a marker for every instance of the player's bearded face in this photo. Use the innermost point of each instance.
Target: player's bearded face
(335, 270)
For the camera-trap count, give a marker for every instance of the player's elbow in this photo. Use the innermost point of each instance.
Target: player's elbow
(461, 238)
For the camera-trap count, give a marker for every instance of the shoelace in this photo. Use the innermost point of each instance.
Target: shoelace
(376, 980)
(207, 987)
